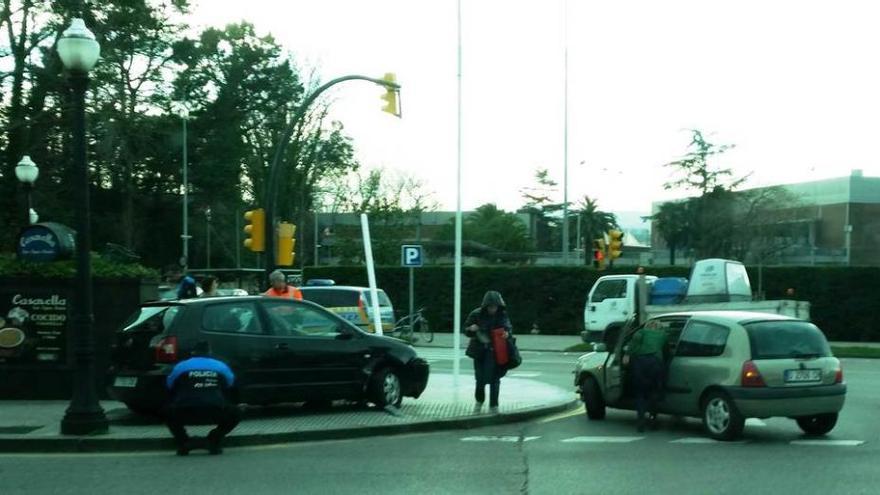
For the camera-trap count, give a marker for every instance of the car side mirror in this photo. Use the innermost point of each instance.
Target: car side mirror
(344, 334)
(600, 347)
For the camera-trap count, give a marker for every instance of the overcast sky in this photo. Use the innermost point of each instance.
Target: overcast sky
(794, 84)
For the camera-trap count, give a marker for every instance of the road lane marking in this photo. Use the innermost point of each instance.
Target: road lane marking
(703, 441)
(755, 422)
(525, 374)
(602, 439)
(502, 438)
(556, 417)
(828, 443)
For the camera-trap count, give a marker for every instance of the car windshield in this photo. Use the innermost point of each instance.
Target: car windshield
(152, 318)
(384, 301)
(786, 339)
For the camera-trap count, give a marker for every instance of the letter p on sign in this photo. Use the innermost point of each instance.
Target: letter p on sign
(411, 256)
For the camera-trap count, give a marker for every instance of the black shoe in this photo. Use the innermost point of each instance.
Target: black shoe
(183, 449)
(214, 445)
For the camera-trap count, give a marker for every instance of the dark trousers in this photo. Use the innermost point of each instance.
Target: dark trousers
(177, 418)
(487, 372)
(648, 379)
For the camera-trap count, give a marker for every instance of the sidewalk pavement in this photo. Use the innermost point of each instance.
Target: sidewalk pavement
(33, 426)
(559, 343)
(525, 342)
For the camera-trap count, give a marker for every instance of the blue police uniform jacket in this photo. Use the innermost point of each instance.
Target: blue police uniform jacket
(200, 382)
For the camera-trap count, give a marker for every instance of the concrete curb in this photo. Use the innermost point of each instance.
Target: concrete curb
(106, 444)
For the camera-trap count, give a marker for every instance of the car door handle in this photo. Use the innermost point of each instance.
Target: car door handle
(281, 346)
(593, 308)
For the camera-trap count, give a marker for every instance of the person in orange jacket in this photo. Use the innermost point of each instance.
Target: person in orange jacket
(280, 287)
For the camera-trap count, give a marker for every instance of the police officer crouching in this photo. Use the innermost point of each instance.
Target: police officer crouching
(199, 395)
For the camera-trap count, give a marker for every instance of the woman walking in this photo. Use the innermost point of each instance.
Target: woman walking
(479, 326)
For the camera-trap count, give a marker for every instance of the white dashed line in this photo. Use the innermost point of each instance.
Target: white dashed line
(525, 374)
(703, 441)
(510, 439)
(828, 443)
(602, 439)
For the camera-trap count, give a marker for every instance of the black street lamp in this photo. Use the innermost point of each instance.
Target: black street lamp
(27, 173)
(79, 52)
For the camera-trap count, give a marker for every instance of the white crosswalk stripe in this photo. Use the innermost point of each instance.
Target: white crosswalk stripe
(602, 439)
(828, 443)
(703, 441)
(490, 438)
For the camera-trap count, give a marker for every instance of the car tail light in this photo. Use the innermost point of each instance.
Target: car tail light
(751, 377)
(838, 376)
(166, 350)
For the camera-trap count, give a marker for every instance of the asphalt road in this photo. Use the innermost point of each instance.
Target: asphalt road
(556, 455)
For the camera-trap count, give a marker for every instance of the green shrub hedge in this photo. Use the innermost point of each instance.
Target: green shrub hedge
(553, 298)
(11, 267)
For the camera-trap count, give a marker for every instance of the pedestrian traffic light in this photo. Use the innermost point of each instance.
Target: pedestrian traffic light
(599, 254)
(256, 230)
(284, 255)
(615, 244)
(390, 96)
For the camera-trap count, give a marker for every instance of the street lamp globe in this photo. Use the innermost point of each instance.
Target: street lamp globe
(33, 216)
(27, 171)
(78, 48)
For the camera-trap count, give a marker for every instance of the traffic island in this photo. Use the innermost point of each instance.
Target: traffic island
(34, 426)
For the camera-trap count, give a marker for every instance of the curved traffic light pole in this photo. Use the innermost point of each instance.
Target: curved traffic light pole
(271, 188)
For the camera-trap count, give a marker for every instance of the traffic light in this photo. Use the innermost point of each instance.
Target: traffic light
(599, 254)
(284, 255)
(390, 96)
(256, 230)
(615, 244)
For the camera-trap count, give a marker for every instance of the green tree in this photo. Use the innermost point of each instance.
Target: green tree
(594, 222)
(672, 222)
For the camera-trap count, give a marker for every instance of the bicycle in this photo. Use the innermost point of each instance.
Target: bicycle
(406, 327)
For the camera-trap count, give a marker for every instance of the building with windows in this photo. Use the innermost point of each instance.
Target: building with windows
(834, 222)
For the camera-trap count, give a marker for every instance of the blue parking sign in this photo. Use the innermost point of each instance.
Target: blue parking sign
(411, 255)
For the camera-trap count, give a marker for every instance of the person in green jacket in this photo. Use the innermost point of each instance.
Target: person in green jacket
(646, 353)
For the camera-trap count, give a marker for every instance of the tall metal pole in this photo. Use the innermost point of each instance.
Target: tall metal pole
(316, 238)
(238, 239)
(184, 257)
(208, 237)
(84, 415)
(28, 190)
(456, 317)
(565, 233)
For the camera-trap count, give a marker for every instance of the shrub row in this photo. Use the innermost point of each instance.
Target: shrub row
(553, 297)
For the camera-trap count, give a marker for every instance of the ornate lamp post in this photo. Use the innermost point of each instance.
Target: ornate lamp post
(27, 173)
(79, 53)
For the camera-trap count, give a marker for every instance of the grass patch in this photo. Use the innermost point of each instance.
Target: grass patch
(582, 347)
(838, 351)
(856, 352)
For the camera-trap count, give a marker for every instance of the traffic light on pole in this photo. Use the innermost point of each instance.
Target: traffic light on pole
(615, 244)
(256, 230)
(390, 96)
(284, 255)
(599, 254)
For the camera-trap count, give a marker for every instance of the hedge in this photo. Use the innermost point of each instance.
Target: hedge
(552, 298)
(11, 267)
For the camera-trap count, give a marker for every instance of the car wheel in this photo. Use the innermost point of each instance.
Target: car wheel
(819, 424)
(721, 419)
(594, 403)
(385, 389)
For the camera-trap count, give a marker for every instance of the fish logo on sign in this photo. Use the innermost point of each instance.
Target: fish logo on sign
(411, 256)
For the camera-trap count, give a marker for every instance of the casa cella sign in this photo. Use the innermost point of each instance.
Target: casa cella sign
(47, 241)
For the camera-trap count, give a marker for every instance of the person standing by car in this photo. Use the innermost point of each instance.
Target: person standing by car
(199, 390)
(646, 353)
(280, 287)
(209, 287)
(187, 288)
(480, 323)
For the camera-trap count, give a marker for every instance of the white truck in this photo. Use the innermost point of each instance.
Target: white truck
(714, 285)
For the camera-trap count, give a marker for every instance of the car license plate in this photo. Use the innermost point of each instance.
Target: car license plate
(800, 376)
(125, 381)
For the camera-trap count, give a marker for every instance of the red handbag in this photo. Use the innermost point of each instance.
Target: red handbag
(499, 344)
